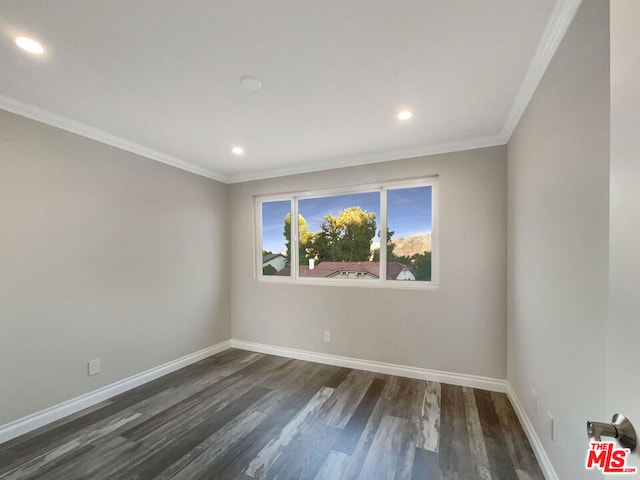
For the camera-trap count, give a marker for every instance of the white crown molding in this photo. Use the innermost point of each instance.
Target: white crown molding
(51, 414)
(40, 115)
(460, 379)
(541, 454)
(378, 157)
(561, 17)
(557, 25)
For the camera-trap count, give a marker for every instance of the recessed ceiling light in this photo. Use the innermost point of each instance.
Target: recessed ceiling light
(30, 45)
(238, 150)
(405, 115)
(251, 83)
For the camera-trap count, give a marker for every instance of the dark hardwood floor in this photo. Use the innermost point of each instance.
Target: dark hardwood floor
(242, 415)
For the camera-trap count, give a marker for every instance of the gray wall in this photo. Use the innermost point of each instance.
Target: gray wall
(460, 327)
(102, 254)
(558, 242)
(623, 328)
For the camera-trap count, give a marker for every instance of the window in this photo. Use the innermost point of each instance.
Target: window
(340, 232)
(409, 228)
(276, 237)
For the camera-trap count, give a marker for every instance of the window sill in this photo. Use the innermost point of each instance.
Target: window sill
(319, 282)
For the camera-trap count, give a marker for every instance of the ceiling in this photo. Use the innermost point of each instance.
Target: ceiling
(162, 77)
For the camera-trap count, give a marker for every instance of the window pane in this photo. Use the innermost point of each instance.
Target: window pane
(409, 233)
(276, 238)
(338, 236)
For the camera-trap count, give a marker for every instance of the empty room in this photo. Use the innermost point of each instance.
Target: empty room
(331, 240)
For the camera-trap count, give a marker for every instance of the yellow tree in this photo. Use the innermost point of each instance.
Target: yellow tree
(346, 237)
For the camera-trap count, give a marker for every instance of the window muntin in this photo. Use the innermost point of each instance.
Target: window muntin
(404, 208)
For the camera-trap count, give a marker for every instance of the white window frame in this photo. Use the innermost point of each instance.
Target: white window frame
(381, 282)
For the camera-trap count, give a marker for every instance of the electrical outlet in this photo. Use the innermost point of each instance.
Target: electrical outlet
(94, 366)
(551, 432)
(327, 336)
(534, 401)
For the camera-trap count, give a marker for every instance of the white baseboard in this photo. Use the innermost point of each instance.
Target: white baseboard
(460, 379)
(51, 414)
(56, 412)
(541, 454)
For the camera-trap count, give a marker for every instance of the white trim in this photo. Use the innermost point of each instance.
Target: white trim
(381, 187)
(557, 25)
(257, 238)
(435, 233)
(51, 414)
(59, 121)
(294, 251)
(561, 17)
(384, 230)
(320, 165)
(348, 188)
(40, 115)
(344, 282)
(460, 379)
(541, 454)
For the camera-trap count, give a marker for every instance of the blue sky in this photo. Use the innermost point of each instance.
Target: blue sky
(314, 209)
(273, 214)
(409, 211)
(406, 212)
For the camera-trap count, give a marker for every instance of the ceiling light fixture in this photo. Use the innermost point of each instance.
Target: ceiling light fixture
(238, 150)
(29, 45)
(405, 115)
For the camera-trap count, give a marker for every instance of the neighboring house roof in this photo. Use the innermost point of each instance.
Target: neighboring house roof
(396, 268)
(285, 272)
(271, 256)
(332, 269)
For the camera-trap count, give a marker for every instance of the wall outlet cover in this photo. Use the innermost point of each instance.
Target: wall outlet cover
(94, 366)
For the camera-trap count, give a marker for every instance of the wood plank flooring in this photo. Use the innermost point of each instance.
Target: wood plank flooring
(242, 415)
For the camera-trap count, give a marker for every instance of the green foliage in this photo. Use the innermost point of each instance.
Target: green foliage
(391, 256)
(422, 266)
(346, 237)
(304, 237)
(269, 270)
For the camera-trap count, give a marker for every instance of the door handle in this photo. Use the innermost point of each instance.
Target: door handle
(620, 428)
